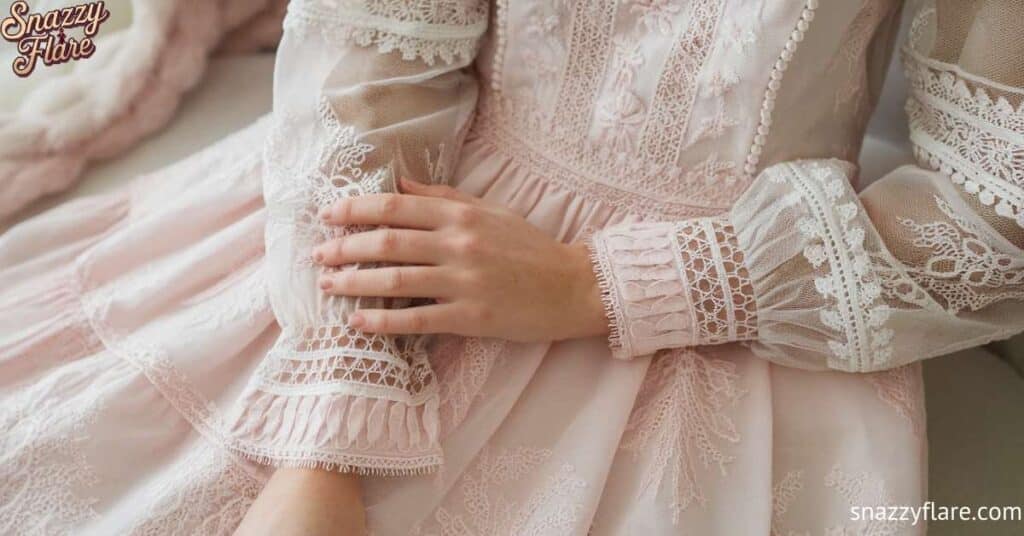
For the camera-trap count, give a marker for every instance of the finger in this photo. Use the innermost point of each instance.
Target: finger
(441, 318)
(382, 245)
(442, 191)
(390, 282)
(393, 210)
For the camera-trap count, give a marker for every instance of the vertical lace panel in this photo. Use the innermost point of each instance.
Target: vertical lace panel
(672, 104)
(590, 47)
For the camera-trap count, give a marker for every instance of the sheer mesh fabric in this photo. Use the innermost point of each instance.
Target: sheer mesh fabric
(367, 92)
(926, 261)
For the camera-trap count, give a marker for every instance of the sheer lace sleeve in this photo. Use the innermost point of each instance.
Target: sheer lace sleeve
(366, 91)
(924, 262)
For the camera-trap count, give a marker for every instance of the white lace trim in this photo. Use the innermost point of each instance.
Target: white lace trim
(963, 270)
(864, 490)
(418, 29)
(673, 284)
(599, 257)
(857, 312)
(683, 414)
(328, 395)
(711, 263)
(958, 128)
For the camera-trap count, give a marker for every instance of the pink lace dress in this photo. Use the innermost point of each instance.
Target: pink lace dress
(164, 347)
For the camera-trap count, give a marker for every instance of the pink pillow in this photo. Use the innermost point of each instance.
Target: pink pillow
(130, 88)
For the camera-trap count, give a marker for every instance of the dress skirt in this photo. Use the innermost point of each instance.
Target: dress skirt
(130, 323)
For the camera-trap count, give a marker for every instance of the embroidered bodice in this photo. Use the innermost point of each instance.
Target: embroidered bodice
(665, 107)
(721, 132)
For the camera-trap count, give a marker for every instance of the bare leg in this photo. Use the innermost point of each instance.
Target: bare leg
(307, 502)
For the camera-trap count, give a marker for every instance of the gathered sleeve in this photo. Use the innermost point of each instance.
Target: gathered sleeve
(809, 273)
(365, 92)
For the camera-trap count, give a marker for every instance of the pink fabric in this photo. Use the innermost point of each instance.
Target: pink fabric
(132, 348)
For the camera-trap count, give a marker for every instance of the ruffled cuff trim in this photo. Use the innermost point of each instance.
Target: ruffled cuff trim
(343, 432)
(609, 297)
(673, 285)
(645, 297)
(332, 397)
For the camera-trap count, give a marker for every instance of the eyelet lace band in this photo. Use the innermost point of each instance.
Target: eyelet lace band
(674, 284)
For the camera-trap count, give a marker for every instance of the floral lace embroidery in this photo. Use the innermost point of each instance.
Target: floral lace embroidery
(852, 287)
(862, 490)
(462, 366)
(964, 270)
(309, 356)
(681, 415)
(544, 52)
(743, 35)
(589, 137)
(553, 508)
(656, 15)
(586, 181)
(974, 138)
(620, 117)
(418, 29)
(43, 467)
(206, 494)
(784, 492)
(239, 296)
(716, 125)
(902, 389)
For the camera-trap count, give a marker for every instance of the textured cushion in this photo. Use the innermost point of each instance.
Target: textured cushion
(219, 106)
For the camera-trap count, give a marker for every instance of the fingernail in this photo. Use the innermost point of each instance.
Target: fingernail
(355, 320)
(324, 213)
(325, 283)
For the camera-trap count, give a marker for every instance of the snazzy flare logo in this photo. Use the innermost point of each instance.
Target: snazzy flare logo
(43, 36)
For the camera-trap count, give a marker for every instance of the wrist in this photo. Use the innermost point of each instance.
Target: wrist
(590, 311)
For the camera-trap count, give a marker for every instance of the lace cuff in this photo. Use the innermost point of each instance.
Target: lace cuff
(673, 284)
(334, 398)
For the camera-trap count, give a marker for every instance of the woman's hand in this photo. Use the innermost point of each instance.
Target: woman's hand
(491, 272)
